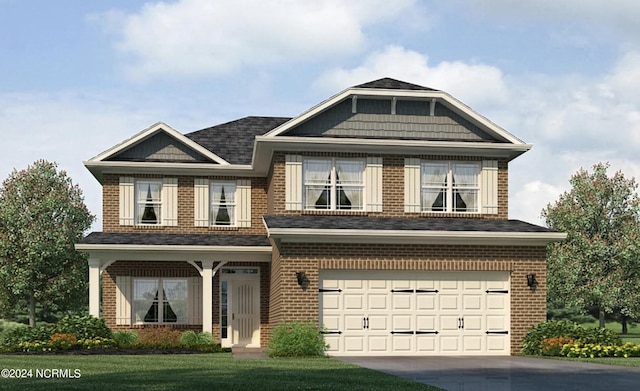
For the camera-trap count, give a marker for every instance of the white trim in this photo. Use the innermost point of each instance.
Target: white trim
(243, 203)
(373, 184)
(151, 131)
(293, 182)
(489, 187)
(415, 236)
(201, 202)
(169, 200)
(126, 200)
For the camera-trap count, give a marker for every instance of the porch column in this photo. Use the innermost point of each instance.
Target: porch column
(94, 287)
(207, 296)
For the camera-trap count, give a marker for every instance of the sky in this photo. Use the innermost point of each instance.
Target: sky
(78, 77)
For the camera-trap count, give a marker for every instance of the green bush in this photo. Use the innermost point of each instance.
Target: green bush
(591, 350)
(532, 342)
(125, 339)
(191, 338)
(296, 339)
(83, 327)
(158, 338)
(39, 333)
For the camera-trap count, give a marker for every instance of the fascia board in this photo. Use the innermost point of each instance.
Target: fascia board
(152, 130)
(98, 169)
(415, 237)
(176, 253)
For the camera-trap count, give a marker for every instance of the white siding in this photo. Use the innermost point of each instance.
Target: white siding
(170, 202)
(123, 297)
(411, 185)
(489, 186)
(373, 184)
(293, 182)
(127, 200)
(201, 202)
(243, 202)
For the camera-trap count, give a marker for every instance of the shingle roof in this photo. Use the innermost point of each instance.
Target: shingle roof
(401, 224)
(175, 239)
(393, 84)
(233, 141)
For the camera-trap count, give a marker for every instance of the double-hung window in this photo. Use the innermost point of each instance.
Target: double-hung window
(450, 186)
(160, 300)
(148, 202)
(223, 203)
(333, 184)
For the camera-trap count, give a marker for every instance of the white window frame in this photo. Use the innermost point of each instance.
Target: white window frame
(449, 187)
(233, 204)
(333, 184)
(161, 299)
(141, 184)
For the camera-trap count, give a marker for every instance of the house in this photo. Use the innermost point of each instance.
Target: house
(380, 213)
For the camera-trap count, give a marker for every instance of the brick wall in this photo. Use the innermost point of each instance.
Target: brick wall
(392, 188)
(111, 220)
(295, 303)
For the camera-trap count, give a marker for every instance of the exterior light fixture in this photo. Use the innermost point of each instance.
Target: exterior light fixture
(302, 278)
(532, 283)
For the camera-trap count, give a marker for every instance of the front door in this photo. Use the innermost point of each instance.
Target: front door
(240, 304)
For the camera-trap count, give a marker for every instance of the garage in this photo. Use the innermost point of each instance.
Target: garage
(415, 312)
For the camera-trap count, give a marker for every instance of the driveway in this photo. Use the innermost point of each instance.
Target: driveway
(504, 373)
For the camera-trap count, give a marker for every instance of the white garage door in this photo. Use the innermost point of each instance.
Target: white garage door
(415, 312)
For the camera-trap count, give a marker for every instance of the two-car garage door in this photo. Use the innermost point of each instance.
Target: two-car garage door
(415, 312)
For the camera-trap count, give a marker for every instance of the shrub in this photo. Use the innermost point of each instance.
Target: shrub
(553, 346)
(97, 343)
(295, 339)
(83, 327)
(190, 338)
(532, 343)
(63, 341)
(158, 338)
(590, 350)
(39, 333)
(124, 339)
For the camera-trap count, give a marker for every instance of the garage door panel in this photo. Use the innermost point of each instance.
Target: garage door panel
(332, 322)
(472, 285)
(402, 322)
(496, 343)
(472, 343)
(496, 322)
(449, 302)
(334, 343)
(353, 302)
(354, 284)
(426, 302)
(449, 285)
(402, 301)
(353, 322)
(497, 302)
(354, 344)
(377, 302)
(472, 302)
(330, 302)
(378, 322)
(449, 344)
(426, 322)
(426, 343)
(402, 343)
(449, 322)
(377, 343)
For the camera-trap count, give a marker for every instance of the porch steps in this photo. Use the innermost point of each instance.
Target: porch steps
(242, 353)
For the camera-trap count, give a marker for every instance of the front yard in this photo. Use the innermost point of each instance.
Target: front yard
(191, 372)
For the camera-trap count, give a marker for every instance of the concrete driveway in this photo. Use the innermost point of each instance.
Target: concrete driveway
(504, 373)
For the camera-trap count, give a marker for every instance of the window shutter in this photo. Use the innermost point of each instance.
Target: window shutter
(195, 298)
(489, 186)
(201, 202)
(373, 184)
(293, 182)
(127, 200)
(123, 305)
(412, 185)
(170, 202)
(243, 202)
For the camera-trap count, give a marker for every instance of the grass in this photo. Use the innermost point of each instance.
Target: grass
(199, 372)
(619, 361)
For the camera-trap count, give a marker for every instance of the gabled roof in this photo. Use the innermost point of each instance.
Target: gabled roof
(427, 230)
(234, 140)
(393, 84)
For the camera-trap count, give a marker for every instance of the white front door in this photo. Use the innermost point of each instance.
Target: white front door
(415, 313)
(240, 307)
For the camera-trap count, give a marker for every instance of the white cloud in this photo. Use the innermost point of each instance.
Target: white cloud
(472, 83)
(203, 37)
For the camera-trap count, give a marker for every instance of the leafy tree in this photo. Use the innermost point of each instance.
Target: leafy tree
(42, 215)
(598, 265)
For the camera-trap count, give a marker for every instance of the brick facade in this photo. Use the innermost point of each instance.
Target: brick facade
(291, 302)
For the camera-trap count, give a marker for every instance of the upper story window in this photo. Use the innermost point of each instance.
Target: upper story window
(333, 184)
(450, 186)
(148, 202)
(223, 203)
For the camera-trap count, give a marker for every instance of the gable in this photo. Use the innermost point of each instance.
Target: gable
(373, 118)
(160, 147)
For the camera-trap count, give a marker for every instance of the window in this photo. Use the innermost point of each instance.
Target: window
(160, 300)
(450, 186)
(148, 202)
(223, 203)
(333, 184)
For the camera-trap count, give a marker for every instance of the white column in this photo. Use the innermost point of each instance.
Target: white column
(94, 287)
(207, 296)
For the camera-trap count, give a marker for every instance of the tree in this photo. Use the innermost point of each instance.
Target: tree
(598, 265)
(42, 215)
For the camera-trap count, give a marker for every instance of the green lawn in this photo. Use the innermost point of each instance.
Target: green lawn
(197, 372)
(632, 336)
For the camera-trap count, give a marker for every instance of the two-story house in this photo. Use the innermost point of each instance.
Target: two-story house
(381, 214)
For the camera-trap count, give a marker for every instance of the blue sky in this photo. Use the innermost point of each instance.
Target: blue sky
(78, 77)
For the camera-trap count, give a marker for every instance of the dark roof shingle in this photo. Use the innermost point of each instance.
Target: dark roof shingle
(233, 141)
(393, 84)
(174, 239)
(401, 224)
